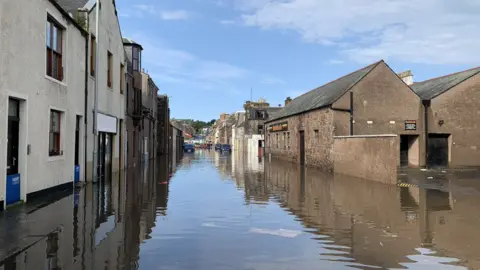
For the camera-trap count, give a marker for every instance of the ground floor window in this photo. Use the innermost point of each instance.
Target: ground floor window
(54, 148)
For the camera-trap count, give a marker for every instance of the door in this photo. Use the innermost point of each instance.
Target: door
(438, 150)
(302, 147)
(404, 151)
(101, 157)
(108, 156)
(13, 177)
(77, 150)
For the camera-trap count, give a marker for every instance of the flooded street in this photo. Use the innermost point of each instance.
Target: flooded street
(232, 211)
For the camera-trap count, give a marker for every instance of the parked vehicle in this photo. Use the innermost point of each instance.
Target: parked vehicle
(218, 146)
(226, 148)
(189, 148)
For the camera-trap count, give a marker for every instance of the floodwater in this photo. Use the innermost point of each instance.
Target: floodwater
(234, 211)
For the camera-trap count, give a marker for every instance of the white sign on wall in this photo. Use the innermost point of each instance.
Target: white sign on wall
(107, 123)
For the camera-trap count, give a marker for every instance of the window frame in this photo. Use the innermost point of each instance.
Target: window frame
(56, 150)
(136, 58)
(109, 69)
(93, 54)
(122, 78)
(54, 41)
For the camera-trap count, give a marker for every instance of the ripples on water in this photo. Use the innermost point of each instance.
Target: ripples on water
(235, 211)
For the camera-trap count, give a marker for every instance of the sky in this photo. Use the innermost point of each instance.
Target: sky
(210, 56)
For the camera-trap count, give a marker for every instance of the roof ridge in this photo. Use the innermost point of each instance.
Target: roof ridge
(330, 82)
(451, 74)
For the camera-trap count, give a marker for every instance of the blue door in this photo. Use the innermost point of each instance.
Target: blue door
(13, 188)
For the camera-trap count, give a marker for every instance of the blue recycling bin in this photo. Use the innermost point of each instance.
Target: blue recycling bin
(13, 188)
(77, 174)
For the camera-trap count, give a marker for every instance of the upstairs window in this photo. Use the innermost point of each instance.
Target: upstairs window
(122, 78)
(109, 70)
(54, 148)
(136, 58)
(93, 60)
(54, 35)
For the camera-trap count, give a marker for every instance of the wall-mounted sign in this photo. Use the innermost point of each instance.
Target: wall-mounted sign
(410, 124)
(278, 127)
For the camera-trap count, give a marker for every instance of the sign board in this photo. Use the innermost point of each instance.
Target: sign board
(278, 127)
(410, 124)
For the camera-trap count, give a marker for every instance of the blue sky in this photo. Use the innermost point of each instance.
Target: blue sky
(206, 55)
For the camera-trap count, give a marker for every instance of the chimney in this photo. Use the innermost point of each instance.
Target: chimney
(406, 77)
(287, 101)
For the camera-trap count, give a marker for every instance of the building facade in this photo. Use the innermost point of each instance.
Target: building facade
(42, 98)
(372, 100)
(163, 125)
(133, 102)
(149, 123)
(452, 116)
(106, 88)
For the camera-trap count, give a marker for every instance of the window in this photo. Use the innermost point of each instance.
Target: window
(285, 140)
(316, 133)
(54, 148)
(109, 70)
(54, 34)
(260, 129)
(93, 45)
(136, 58)
(277, 141)
(122, 78)
(288, 140)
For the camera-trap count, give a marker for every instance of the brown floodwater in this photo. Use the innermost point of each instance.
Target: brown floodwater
(235, 211)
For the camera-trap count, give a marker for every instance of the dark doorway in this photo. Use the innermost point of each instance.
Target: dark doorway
(438, 150)
(302, 147)
(13, 134)
(409, 150)
(77, 141)
(104, 167)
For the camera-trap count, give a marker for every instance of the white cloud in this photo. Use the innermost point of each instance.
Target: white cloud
(170, 65)
(335, 62)
(167, 15)
(271, 80)
(428, 31)
(174, 15)
(227, 22)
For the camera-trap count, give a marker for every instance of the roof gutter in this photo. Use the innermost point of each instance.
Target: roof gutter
(67, 15)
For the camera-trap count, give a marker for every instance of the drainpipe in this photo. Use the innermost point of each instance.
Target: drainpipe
(426, 105)
(95, 110)
(351, 113)
(85, 113)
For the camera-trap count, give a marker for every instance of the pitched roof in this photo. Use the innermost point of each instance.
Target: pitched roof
(129, 41)
(324, 95)
(72, 5)
(432, 88)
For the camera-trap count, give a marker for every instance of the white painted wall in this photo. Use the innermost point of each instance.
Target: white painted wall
(23, 75)
(110, 101)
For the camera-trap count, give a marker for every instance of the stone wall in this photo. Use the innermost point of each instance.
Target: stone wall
(373, 157)
(458, 109)
(318, 129)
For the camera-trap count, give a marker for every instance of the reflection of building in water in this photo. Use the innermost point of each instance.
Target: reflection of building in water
(382, 224)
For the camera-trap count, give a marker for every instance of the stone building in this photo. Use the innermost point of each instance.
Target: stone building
(452, 115)
(163, 125)
(372, 100)
(149, 112)
(133, 102)
(42, 98)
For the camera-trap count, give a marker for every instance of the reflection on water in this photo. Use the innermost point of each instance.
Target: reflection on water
(237, 211)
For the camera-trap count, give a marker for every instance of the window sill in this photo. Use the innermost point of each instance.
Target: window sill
(55, 80)
(91, 77)
(55, 158)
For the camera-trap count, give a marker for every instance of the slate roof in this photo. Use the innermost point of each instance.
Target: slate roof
(72, 5)
(324, 95)
(432, 88)
(129, 41)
